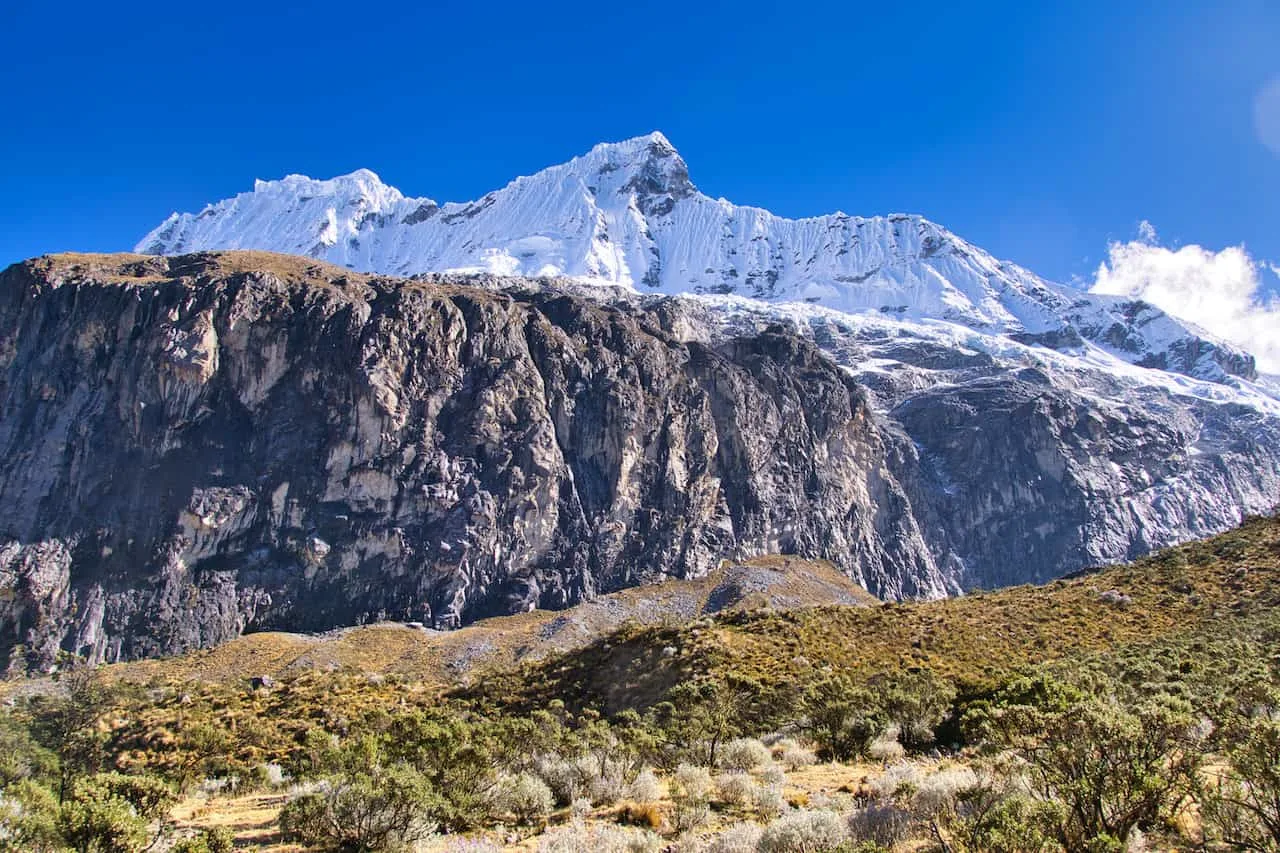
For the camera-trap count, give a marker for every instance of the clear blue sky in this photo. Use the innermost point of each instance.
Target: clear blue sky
(1039, 135)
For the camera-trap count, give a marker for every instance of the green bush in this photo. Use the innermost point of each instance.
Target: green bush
(29, 819)
(843, 717)
(95, 822)
(219, 839)
(1115, 761)
(1241, 806)
(380, 810)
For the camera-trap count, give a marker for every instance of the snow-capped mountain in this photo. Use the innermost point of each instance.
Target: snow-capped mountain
(628, 214)
(602, 378)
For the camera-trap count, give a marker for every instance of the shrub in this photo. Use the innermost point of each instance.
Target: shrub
(744, 754)
(525, 796)
(645, 788)
(690, 788)
(149, 797)
(1241, 808)
(21, 757)
(769, 802)
(735, 789)
(219, 839)
(939, 792)
(580, 809)
(603, 780)
(844, 718)
(270, 775)
(773, 775)
(599, 838)
(102, 824)
(886, 749)
(915, 702)
(895, 781)
(803, 832)
(1112, 765)
(739, 838)
(455, 759)
(376, 811)
(691, 783)
(561, 776)
(1004, 823)
(110, 812)
(883, 823)
(29, 819)
(688, 815)
(794, 756)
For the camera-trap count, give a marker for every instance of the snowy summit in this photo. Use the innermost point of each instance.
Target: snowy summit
(628, 214)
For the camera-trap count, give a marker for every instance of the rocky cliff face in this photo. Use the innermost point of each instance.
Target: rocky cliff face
(203, 445)
(198, 446)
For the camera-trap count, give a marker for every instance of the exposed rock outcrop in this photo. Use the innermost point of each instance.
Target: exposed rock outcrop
(203, 445)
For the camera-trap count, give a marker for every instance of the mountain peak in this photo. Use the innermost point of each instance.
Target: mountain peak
(648, 166)
(627, 213)
(649, 144)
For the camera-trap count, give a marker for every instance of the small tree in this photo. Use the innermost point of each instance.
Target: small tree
(454, 757)
(1111, 768)
(843, 718)
(67, 723)
(916, 701)
(29, 819)
(363, 813)
(1241, 807)
(111, 812)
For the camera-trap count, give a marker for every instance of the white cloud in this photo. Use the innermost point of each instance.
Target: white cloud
(1221, 292)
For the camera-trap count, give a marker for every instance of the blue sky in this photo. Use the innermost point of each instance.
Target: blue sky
(1039, 135)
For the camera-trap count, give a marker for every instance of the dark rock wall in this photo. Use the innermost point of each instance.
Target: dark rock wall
(199, 446)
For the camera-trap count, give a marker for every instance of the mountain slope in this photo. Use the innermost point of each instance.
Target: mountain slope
(627, 213)
(198, 446)
(1181, 600)
(308, 448)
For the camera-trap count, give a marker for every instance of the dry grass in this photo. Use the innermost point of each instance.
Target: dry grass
(130, 268)
(253, 819)
(1202, 588)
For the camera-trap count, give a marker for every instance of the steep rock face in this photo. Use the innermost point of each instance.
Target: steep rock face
(1024, 463)
(198, 446)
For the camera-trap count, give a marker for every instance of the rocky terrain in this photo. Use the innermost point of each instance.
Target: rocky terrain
(199, 446)
(204, 445)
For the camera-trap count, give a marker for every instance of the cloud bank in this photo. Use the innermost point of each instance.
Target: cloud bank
(1221, 292)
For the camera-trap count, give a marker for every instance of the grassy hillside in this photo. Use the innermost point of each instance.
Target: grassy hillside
(1210, 589)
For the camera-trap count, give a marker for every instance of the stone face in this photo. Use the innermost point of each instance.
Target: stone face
(199, 446)
(194, 448)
